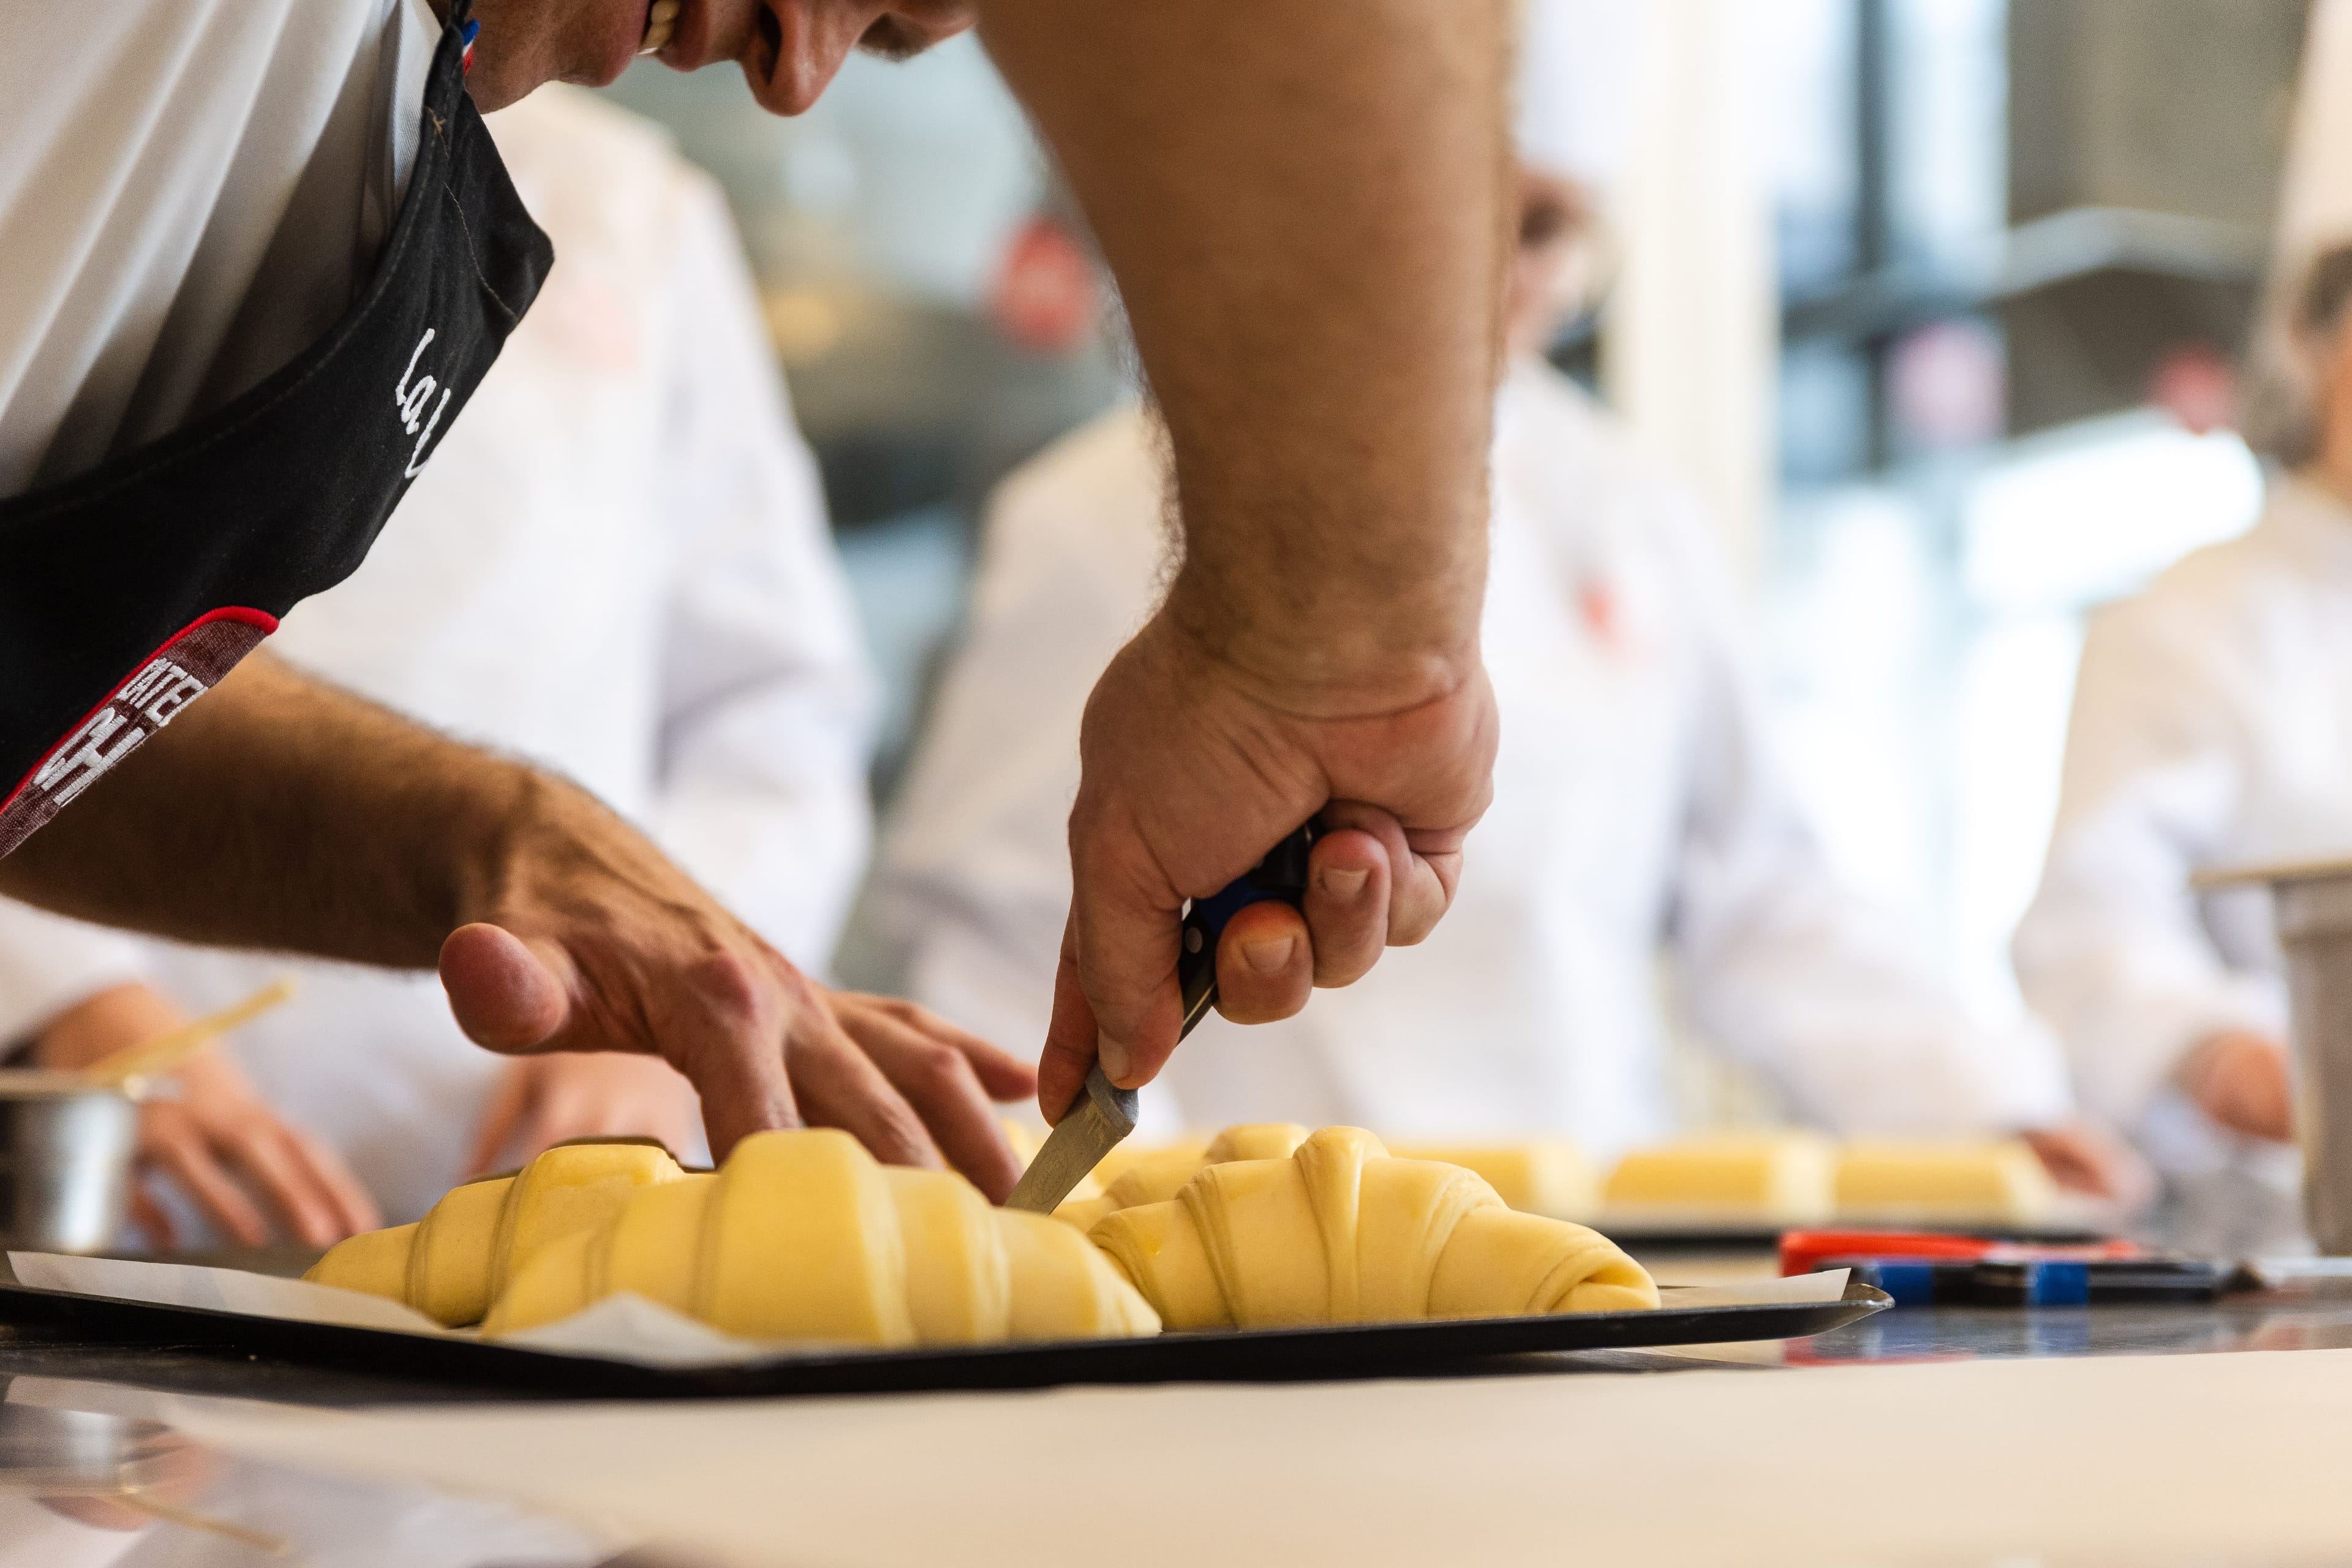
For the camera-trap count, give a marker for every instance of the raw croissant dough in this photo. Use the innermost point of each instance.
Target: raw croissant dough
(1339, 1232)
(1545, 1176)
(1780, 1178)
(453, 1263)
(1536, 1175)
(802, 1236)
(1984, 1182)
(1155, 1176)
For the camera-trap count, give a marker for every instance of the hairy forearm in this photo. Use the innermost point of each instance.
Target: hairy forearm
(1304, 210)
(279, 812)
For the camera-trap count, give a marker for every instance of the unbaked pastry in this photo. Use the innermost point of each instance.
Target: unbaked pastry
(1339, 1232)
(1763, 1178)
(803, 1236)
(2003, 1183)
(1536, 1175)
(1152, 1176)
(453, 1263)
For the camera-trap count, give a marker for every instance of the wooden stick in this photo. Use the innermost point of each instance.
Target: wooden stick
(169, 1049)
(144, 1501)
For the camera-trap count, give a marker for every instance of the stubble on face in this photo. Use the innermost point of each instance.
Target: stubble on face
(525, 44)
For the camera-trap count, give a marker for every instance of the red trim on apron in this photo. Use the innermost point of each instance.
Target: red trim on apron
(190, 663)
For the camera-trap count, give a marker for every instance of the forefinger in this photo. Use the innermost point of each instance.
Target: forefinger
(729, 1041)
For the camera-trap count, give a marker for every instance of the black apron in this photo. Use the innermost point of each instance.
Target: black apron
(128, 590)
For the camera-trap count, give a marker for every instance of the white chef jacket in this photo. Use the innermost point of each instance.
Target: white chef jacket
(2212, 727)
(191, 192)
(1637, 806)
(616, 564)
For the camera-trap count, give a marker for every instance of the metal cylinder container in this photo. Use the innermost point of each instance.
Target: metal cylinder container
(2314, 911)
(66, 1149)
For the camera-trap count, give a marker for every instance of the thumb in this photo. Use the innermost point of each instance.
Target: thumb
(505, 994)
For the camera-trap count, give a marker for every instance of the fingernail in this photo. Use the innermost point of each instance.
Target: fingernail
(1115, 1056)
(1271, 956)
(1344, 885)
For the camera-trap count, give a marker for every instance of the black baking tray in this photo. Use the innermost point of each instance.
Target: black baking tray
(1258, 1355)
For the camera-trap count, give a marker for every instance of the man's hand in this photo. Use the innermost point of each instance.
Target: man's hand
(588, 940)
(280, 813)
(1193, 770)
(218, 1142)
(2241, 1080)
(1310, 222)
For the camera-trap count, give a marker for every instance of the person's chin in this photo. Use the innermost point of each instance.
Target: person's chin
(493, 83)
(611, 41)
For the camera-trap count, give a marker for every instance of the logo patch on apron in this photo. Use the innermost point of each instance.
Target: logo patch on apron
(181, 671)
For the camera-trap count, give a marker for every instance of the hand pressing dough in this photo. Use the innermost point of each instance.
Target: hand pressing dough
(1996, 1183)
(803, 1236)
(1545, 1176)
(453, 1263)
(1339, 1232)
(1155, 1176)
(1775, 1178)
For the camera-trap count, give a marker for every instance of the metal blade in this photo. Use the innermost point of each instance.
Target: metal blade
(1092, 1127)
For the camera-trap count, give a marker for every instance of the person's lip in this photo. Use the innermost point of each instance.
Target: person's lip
(689, 41)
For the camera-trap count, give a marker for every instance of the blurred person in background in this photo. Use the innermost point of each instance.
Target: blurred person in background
(2211, 728)
(2208, 732)
(1638, 811)
(617, 566)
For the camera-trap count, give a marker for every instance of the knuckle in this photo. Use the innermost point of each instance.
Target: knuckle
(733, 988)
(940, 1072)
(903, 1140)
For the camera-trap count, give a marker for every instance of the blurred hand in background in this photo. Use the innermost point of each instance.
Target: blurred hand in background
(2089, 1160)
(2241, 1080)
(253, 1175)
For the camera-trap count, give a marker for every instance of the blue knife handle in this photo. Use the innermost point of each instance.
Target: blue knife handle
(1281, 875)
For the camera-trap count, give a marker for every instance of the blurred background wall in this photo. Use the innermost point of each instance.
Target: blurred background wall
(1937, 301)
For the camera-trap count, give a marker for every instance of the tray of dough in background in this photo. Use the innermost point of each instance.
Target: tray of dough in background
(1653, 1234)
(1741, 1190)
(669, 1357)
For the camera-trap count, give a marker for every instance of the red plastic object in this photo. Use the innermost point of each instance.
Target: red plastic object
(1803, 1251)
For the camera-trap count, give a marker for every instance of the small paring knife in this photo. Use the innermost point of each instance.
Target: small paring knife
(1103, 1113)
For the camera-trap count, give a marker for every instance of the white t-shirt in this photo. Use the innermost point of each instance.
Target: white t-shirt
(192, 192)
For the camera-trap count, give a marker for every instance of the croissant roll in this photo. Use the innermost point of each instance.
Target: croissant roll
(803, 1236)
(1339, 1232)
(1155, 1176)
(453, 1263)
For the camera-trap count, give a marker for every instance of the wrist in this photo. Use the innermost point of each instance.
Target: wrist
(1349, 655)
(102, 1024)
(506, 832)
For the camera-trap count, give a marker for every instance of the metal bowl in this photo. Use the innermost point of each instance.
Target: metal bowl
(66, 1149)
